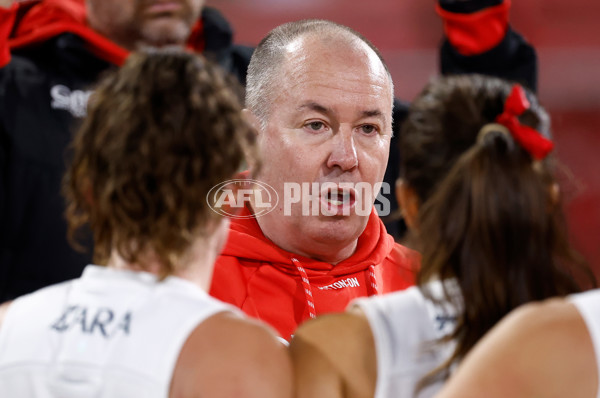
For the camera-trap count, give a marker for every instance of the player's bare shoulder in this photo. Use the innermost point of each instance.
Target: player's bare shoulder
(328, 349)
(230, 356)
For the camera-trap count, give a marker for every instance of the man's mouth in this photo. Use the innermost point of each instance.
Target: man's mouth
(338, 200)
(163, 7)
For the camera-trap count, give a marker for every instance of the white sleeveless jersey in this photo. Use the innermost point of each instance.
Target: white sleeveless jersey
(588, 305)
(404, 325)
(110, 333)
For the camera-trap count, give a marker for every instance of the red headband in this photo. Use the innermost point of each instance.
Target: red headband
(530, 139)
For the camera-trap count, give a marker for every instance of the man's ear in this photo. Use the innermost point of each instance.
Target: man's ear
(252, 120)
(253, 159)
(408, 202)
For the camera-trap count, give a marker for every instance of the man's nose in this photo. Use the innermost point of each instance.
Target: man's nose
(343, 153)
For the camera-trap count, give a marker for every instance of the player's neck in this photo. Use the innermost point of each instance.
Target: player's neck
(195, 265)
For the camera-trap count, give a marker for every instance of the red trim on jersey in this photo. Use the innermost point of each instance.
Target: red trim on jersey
(477, 32)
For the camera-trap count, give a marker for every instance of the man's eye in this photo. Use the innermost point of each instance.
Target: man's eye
(316, 126)
(368, 129)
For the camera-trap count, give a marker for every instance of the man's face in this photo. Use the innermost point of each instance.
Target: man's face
(329, 122)
(135, 23)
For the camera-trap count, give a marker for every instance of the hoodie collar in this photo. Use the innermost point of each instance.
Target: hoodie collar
(247, 241)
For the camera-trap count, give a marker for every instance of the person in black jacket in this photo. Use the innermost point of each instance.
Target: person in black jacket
(50, 55)
(477, 39)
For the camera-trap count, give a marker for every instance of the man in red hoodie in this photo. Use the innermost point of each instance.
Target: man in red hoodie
(51, 53)
(320, 98)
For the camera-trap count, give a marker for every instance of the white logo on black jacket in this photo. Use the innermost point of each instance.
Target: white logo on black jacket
(74, 101)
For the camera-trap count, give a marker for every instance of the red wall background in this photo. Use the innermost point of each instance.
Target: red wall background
(408, 32)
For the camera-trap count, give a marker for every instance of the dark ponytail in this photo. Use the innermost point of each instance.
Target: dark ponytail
(493, 223)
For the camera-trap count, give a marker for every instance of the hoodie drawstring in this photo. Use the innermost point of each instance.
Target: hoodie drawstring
(308, 295)
(310, 301)
(373, 281)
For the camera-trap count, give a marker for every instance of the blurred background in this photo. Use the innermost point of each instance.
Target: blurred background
(408, 33)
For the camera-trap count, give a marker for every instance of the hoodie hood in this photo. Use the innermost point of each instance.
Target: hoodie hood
(247, 242)
(28, 23)
(284, 289)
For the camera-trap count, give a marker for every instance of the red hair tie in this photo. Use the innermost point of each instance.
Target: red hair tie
(530, 139)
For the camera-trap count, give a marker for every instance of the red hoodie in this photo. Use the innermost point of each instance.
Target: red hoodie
(265, 281)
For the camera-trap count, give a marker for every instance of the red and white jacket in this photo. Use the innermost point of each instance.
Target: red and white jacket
(283, 289)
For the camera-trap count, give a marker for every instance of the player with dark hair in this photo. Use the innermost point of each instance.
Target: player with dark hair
(478, 192)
